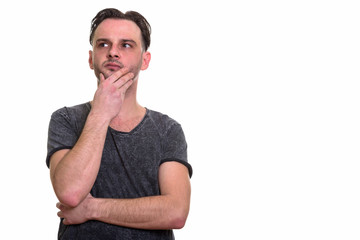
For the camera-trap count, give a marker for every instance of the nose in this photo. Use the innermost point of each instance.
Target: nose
(113, 52)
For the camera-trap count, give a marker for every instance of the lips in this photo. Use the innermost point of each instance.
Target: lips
(113, 65)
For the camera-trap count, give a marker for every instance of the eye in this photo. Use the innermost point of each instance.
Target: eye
(103, 44)
(126, 45)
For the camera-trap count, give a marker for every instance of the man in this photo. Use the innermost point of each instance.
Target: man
(119, 170)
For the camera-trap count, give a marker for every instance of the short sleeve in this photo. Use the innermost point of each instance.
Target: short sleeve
(61, 134)
(174, 147)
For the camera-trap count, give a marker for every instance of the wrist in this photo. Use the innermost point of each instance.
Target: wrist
(98, 119)
(92, 208)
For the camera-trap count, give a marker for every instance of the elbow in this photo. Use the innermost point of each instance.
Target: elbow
(71, 199)
(178, 219)
(70, 196)
(178, 223)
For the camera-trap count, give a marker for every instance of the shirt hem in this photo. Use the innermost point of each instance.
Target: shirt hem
(53, 151)
(186, 164)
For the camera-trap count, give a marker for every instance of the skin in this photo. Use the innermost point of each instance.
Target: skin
(117, 58)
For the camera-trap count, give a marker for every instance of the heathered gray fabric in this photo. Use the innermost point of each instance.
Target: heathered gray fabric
(129, 165)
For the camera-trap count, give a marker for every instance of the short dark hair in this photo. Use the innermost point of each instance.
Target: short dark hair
(113, 13)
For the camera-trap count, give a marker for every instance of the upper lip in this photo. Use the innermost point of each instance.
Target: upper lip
(113, 64)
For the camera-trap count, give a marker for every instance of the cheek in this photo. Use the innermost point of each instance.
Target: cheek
(96, 63)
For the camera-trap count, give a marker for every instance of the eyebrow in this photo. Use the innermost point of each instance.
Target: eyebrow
(122, 40)
(102, 40)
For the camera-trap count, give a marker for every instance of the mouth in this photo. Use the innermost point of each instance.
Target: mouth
(113, 66)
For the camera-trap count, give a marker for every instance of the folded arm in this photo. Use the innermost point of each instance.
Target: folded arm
(73, 172)
(166, 211)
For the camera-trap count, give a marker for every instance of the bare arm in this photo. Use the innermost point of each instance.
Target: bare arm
(73, 172)
(167, 211)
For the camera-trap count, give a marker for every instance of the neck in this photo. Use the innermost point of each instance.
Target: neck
(130, 106)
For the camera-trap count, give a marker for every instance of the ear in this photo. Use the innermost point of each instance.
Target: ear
(145, 60)
(91, 60)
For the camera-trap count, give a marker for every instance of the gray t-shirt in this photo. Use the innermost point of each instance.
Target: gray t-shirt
(129, 165)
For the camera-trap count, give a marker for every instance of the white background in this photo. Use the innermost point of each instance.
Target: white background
(267, 93)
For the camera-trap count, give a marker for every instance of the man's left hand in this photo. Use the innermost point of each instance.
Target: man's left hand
(77, 215)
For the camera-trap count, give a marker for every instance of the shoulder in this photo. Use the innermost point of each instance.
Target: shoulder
(77, 111)
(162, 121)
(73, 117)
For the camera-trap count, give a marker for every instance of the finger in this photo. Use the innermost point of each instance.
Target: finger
(118, 74)
(60, 214)
(124, 80)
(60, 206)
(102, 77)
(66, 222)
(126, 85)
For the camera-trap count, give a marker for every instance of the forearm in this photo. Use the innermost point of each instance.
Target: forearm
(75, 174)
(166, 211)
(156, 212)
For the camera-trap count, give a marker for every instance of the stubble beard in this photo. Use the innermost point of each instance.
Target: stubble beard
(135, 69)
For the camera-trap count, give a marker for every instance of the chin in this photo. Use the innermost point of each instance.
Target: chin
(105, 73)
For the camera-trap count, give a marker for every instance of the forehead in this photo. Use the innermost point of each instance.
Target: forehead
(118, 29)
